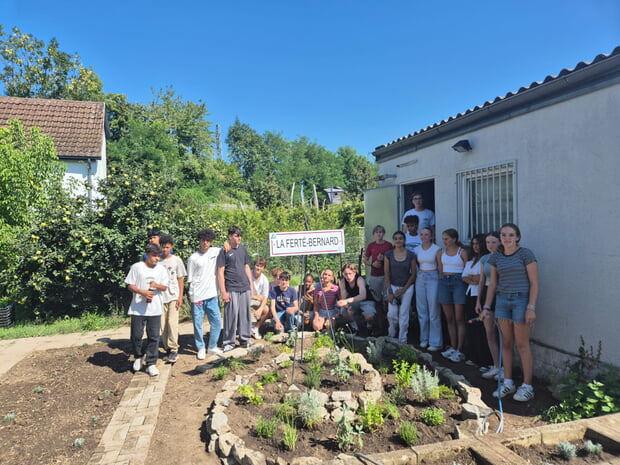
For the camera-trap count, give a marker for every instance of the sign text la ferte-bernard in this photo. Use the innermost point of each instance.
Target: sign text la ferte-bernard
(306, 242)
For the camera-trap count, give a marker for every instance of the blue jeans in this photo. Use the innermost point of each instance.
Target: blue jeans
(511, 306)
(452, 289)
(398, 315)
(429, 311)
(212, 308)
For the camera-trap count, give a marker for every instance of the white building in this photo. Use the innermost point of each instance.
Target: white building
(78, 129)
(546, 157)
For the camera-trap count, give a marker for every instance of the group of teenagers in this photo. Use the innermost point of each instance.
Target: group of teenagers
(492, 280)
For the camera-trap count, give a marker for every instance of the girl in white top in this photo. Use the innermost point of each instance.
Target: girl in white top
(451, 260)
(427, 282)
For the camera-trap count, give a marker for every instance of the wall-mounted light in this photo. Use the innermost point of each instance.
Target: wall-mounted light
(383, 177)
(407, 163)
(462, 146)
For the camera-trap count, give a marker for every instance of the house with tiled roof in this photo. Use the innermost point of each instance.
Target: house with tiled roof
(78, 129)
(546, 157)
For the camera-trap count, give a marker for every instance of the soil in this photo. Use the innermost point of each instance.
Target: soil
(538, 454)
(81, 383)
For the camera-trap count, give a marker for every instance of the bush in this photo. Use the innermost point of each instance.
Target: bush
(310, 408)
(371, 417)
(425, 385)
(403, 372)
(313, 375)
(433, 416)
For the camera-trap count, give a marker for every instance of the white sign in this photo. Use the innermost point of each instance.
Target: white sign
(306, 242)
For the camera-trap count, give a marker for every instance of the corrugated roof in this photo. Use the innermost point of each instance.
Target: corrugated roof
(77, 127)
(562, 74)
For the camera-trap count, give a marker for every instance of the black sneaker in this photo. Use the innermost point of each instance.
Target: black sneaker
(173, 356)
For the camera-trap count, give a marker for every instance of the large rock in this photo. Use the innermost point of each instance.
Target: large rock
(218, 423)
(225, 443)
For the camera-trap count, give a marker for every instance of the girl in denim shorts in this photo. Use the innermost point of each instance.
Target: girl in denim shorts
(514, 282)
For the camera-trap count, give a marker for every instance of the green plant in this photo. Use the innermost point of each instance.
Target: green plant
(588, 400)
(311, 355)
(398, 395)
(286, 364)
(446, 392)
(286, 411)
(268, 337)
(345, 339)
(383, 369)
(269, 378)
(250, 394)
(236, 365)
(390, 409)
(374, 351)
(341, 370)
(433, 416)
(220, 373)
(371, 416)
(310, 408)
(347, 435)
(592, 448)
(107, 393)
(289, 436)
(9, 417)
(94, 419)
(403, 372)
(292, 337)
(567, 450)
(323, 340)
(312, 379)
(407, 354)
(266, 428)
(38, 390)
(425, 385)
(408, 432)
(255, 351)
(79, 442)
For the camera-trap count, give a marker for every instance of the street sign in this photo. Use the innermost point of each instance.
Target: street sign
(306, 242)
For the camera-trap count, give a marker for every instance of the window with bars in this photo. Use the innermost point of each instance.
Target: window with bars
(486, 198)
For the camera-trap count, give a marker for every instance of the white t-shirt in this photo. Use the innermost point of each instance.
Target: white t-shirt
(261, 287)
(470, 270)
(426, 218)
(140, 275)
(176, 269)
(427, 259)
(201, 275)
(411, 242)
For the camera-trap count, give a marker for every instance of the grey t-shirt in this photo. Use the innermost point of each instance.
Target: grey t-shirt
(399, 271)
(234, 262)
(511, 270)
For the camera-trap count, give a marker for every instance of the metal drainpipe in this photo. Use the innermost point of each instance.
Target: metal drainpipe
(90, 179)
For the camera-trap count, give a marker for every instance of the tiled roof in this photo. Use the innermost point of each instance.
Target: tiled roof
(77, 127)
(561, 75)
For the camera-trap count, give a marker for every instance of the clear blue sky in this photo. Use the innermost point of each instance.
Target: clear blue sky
(359, 73)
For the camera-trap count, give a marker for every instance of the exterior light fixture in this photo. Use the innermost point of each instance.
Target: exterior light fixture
(462, 146)
(383, 177)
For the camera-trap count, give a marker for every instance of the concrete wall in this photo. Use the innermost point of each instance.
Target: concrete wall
(92, 171)
(568, 204)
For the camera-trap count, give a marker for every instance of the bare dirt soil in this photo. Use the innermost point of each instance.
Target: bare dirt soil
(81, 386)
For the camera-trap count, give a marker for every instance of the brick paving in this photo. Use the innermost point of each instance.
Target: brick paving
(127, 438)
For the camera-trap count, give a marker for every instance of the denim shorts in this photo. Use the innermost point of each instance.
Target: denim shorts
(324, 313)
(452, 289)
(511, 306)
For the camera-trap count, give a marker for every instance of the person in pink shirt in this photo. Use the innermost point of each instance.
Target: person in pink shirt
(326, 294)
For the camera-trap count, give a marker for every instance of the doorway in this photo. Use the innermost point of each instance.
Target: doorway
(427, 188)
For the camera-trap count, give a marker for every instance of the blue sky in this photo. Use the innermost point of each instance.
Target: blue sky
(341, 72)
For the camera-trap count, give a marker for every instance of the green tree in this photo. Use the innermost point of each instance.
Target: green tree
(30, 68)
(29, 171)
(358, 171)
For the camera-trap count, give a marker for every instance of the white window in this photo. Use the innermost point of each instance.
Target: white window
(486, 198)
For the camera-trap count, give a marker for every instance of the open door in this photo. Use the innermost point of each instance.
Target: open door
(381, 206)
(427, 188)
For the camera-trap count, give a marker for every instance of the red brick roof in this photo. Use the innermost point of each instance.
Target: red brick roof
(77, 127)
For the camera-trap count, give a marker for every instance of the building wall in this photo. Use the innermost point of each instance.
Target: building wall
(92, 171)
(568, 198)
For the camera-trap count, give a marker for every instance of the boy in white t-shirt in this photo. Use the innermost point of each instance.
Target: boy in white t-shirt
(203, 289)
(412, 238)
(147, 280)
(258, 302)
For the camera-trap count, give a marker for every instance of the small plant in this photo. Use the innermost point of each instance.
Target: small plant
(433, 416)
(371, 417)
(311, 355)
(220, 373)
(355, 367)
(250, 394)
(9, 417)
(585, 400)
(313, 376)
(269, 378)
(38, 390)
(310, 408)
(236, 365)
(286, 364)
(323, 340)
(408, 432)
(446, 392)
(94, 419)
(292, 337)
(425, 385)
(407, 354)
(347, 435)
(390, 409)
(341, 370)
(383, 369)
(268, 337)
(567, 450)
(107, 393)
(255, 351)
(79, 442)
(286, 411)
(345, 340)
(398, 395)
(374, 351)
(403, 372)
(289, 436)
(266, 428)
(592, 448)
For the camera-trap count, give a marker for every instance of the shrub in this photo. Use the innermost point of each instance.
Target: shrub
(408, 432)
(374, 351)
(266, 428)
(425, 385)
(310, 408)
(371, 417)
(250, 394)
(313, 376)
(433, 416)
(567, 450)
(592, 448)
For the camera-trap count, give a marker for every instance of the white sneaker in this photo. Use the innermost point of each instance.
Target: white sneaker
(256, 333)
(524, 393)
(490, 373)
(216, 351)
(137, 364)
(504, 390)
(152, 370)
(448, 353)
(202, 353)
(423, 345)
(457, 356)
